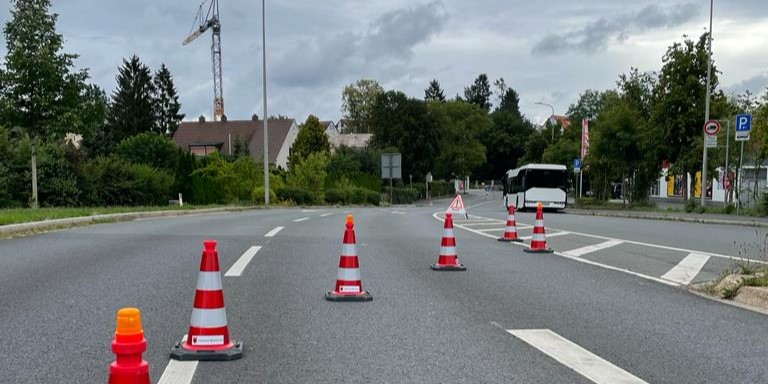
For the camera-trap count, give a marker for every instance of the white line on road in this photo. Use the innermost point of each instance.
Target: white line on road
(274, 232)
(491, 230)
(302, 219)
(308, 210)
(237, 268)
(399, 213)
(555, 234)
(178, 372)
(687, 269)
(575, 357)
(592, 248)
(326, 214)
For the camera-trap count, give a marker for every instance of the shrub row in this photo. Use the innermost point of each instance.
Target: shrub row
(359, 196)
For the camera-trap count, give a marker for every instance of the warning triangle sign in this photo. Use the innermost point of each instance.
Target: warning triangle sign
(457, 207)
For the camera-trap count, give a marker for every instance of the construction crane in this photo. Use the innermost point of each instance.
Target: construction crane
(209, 19)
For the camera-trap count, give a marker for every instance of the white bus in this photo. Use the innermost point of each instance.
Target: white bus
(530, 184)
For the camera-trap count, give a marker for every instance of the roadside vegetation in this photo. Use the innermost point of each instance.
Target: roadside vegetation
(25, 215)
(750, 269)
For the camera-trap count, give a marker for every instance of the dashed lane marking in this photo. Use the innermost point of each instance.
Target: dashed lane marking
(237, 269)
(302, 219)
(326, 214)
(178, 372)
(575, 357)
(687, 269)
(592, 248)
(274, 232)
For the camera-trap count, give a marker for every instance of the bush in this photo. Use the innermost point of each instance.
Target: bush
(150, 149)
(373, 197)
(336, 196)
(114, 181)
(298, 195)
(729, 208)
(358, 196)
(257, 196)
(404, 195)
(690, 205)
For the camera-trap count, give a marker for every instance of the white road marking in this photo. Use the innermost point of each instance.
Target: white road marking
(483, 203)
(274, 232)
(585, 261)
(491, 230)
(302, 219)
(575, 357)
(592, 248)
(308, 210)
(554, 234)
(398, 213)
(179, 372)
(687, 269)
(326, 214)
(237, 268)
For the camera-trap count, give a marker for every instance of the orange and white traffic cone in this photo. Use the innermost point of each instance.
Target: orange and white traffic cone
(510, 231)
(448, 259)
(539, 239)
(349, 286)
(128, 345)
(208, 337)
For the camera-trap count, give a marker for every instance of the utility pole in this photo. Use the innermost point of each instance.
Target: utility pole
(706, 107)
(266, 116)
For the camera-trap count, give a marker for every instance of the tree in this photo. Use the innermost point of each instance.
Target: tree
(460, 148)
(149, 149)
(505, 139)
(434, 92)
(132, 110)
(310, 173)
(678, 104)
(357, 104)
(311, 139)
(407, 124)
(479, 93)
(40, 91)
(166, 101)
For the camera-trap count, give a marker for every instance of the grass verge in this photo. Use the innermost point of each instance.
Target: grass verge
(27, 215)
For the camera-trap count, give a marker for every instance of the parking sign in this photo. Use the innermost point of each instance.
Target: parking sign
(743, 126)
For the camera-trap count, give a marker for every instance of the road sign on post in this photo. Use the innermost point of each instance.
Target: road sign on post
(711, 128)
(391, 168)
(743, 127)
(577, 165)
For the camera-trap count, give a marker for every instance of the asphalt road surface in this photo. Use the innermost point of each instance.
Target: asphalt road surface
(607, 308)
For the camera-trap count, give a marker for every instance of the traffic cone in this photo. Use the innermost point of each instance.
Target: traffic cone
(128, 345)
(539, 239)
(510, 232)
(208, 337)
(349, 286)
(448, 260)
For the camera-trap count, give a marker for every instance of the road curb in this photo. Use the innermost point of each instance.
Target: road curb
(669, 218)
(12, 229)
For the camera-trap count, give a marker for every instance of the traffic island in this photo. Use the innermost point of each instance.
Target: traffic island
(749, 290)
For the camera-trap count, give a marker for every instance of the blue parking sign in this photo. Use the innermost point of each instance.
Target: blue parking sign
(576, 164)
(743, 126)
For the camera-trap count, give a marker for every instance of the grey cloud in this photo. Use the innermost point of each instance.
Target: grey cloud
(388, 43)
(756, 84)
(597, 35)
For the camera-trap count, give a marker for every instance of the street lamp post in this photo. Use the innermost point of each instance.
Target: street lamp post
(706, 108)
(552, 126)
(266, 116)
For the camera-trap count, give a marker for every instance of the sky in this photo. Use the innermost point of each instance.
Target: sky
(549, 51)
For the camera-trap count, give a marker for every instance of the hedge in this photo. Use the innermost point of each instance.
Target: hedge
(298, 195)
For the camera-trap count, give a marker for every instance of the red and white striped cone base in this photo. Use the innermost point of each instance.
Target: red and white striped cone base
(539, 239)
(510, 231)
(208, 337)
(349, 286)
(448, 259)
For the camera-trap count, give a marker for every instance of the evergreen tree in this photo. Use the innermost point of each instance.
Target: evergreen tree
(166, 102)
(311, 139)
(132, 111)
(479, 93)
(434, 92)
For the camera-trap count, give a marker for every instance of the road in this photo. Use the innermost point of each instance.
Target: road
(513, 317)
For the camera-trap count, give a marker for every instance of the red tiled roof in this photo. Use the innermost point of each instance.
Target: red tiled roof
(192, 133)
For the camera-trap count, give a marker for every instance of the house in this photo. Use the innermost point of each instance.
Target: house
(564, 121)
(346, 138)
(330, 128)
(204, 137)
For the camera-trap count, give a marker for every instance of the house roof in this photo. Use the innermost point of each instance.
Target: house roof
(192, 133)
(563, 120)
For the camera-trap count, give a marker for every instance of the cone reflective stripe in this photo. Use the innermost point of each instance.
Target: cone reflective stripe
(510, 231)
(349, 285)
(128, 345)
(448, 259)
(208, 337)
(538, 239)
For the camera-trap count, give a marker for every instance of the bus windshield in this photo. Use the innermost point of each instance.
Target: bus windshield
(546, 178)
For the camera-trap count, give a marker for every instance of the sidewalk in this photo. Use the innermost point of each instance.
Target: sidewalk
(706, 218)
